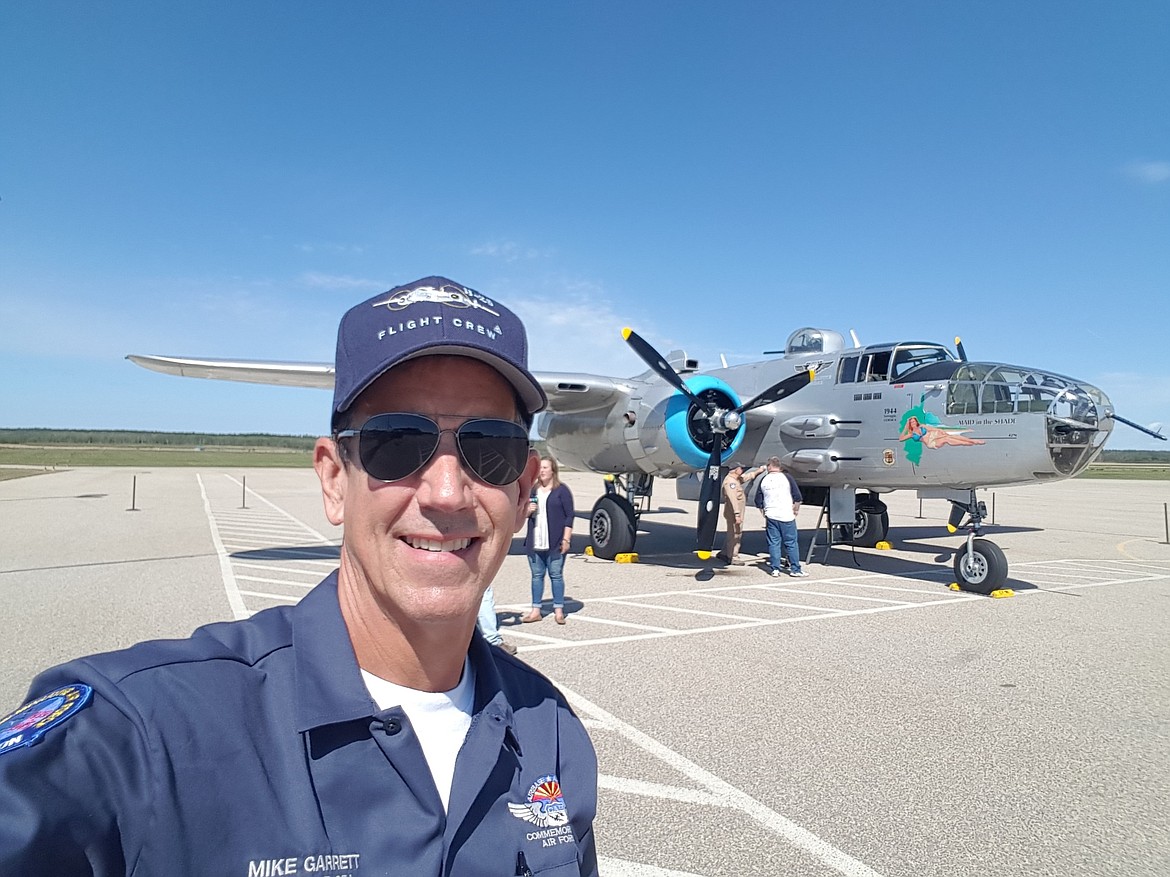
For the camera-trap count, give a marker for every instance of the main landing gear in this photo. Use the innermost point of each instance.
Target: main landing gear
(980, 565)
(613, 523)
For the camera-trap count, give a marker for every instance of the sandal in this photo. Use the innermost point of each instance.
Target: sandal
(532, 616)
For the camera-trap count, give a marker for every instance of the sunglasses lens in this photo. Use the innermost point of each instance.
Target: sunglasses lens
(495, 450)
(394, 446)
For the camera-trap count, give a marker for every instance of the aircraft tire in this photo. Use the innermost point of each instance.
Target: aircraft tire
(870, 527)
(985, 572)
(611, 527)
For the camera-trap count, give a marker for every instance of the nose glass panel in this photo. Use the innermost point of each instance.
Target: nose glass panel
(1078, 416)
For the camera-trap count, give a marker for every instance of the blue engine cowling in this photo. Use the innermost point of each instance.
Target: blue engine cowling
(691, 437)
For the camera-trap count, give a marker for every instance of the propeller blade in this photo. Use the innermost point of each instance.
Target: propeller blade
(651, 357)
(661, 367)
(710, 493)
(959, 348)
(958, 512)
(1139, 428)
(779, 391)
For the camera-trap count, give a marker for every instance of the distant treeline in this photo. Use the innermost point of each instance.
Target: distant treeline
(127, 437)
(1135, 457)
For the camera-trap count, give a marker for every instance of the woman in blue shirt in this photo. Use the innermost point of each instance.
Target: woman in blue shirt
(550, 527)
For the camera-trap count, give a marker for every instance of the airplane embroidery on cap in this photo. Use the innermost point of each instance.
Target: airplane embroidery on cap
(29, 723)
(452, 296)
(545, 806)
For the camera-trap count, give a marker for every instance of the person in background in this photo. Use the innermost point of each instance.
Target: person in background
(734, 505)
(550, 529)
(489, 623)
(368, 726)
(782, 500)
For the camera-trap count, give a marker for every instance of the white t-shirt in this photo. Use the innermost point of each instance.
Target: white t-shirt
(540, 533)
(440, 720)
(777, 497)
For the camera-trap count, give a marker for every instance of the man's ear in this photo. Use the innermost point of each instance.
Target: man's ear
(331, 472)
(525, 482)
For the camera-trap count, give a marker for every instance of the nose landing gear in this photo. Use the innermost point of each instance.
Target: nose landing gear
(980, 565)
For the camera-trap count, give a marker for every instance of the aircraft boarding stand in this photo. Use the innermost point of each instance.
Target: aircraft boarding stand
(839, 506)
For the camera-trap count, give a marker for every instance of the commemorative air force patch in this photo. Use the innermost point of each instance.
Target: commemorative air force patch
(29, 723)
(545, 806)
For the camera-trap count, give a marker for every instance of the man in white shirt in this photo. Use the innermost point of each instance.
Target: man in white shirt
(781, 503)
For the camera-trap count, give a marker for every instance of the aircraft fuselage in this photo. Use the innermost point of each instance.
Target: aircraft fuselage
(882, 417)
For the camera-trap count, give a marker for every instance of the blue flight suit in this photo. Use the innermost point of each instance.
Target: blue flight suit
(253, 749)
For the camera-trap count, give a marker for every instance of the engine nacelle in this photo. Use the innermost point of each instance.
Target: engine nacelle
(660, 431)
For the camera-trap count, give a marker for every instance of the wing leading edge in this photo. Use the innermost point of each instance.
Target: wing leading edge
(283, 374)
(567, 392)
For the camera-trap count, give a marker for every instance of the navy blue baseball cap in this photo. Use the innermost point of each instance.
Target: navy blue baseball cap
(430, 316)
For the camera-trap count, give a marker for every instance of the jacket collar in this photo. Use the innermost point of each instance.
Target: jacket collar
(329, 685)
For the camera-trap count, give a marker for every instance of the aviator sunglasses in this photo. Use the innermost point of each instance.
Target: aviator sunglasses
(395, 446)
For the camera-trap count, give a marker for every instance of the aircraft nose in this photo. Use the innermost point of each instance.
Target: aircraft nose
(1078, 417)
(1079, 420)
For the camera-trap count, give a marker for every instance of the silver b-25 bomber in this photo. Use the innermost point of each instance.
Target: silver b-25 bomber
(850, 423)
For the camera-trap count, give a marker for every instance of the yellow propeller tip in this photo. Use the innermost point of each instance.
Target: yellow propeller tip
(812, 374)
(626, 332)
(704, 555)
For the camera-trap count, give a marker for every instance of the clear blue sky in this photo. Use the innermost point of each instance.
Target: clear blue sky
(225, 178)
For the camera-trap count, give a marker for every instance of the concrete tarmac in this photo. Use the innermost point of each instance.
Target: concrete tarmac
(864, 720)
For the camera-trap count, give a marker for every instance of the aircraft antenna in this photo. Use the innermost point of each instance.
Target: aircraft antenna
(856, 340)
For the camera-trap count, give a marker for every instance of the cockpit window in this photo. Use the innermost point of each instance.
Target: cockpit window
(875, 366)
(909, 357)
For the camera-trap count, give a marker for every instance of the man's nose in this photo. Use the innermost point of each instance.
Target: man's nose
(444, 481)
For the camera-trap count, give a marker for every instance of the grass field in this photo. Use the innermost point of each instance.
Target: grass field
(66, 457)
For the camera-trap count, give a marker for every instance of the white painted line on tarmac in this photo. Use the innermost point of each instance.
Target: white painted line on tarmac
(235, 601)
(659, 790)
(727, 794)
(291, 584)
(610, 622)
(779, 603)
(843, 596)
(933, 591)
(665, 608)
(244, 564)
(772, 622)
(264, 596)
(527, 634)
(324, 540)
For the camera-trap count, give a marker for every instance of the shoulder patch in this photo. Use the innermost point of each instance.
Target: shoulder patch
(29, 723)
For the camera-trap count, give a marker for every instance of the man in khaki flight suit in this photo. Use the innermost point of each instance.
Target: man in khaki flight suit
(733, 509)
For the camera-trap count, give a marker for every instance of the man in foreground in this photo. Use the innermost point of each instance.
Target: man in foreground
(368, 729)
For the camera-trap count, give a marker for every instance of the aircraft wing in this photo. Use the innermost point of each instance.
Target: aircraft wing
(252, 371)
(567, 392)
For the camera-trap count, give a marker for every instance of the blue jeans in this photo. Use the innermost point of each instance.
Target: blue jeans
(541, 562)
(783, 539)
(489, 625)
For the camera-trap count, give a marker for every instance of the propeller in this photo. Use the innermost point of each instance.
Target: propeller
(721, 422)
